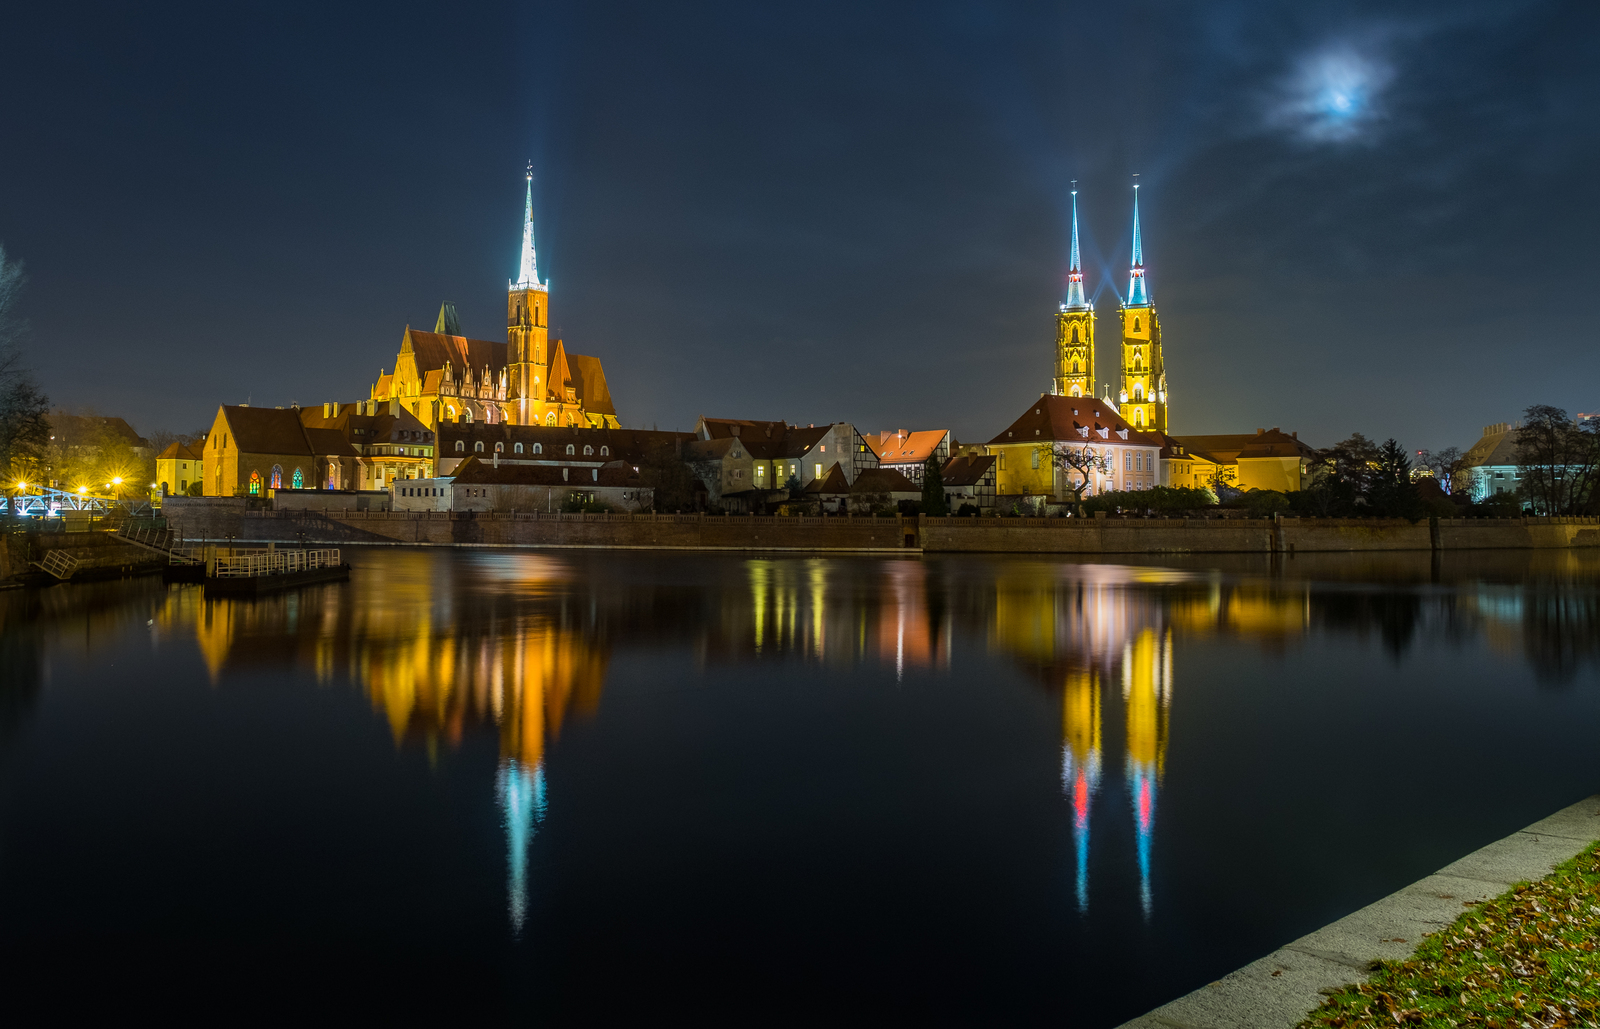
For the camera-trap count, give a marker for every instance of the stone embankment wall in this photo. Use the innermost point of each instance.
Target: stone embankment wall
(227, 519)
(100, 555)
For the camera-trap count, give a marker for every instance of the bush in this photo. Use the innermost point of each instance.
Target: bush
(1167, 500)
(577, 504)
(968, 511)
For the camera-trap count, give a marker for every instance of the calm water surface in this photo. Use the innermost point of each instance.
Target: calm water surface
(541, 787)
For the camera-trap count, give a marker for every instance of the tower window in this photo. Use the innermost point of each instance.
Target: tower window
(1136, 325)
(1074, 334)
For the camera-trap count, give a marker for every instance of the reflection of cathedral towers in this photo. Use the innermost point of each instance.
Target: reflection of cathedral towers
(1080, 763)
(1147, 696)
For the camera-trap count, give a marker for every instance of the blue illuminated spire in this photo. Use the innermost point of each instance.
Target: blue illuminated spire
(1138, 292)
(1075, 301)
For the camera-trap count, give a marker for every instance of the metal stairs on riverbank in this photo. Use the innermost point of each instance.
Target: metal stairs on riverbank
(58, 563)
(162, 541)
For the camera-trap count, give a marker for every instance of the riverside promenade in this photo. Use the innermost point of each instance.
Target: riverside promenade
(1281, 989)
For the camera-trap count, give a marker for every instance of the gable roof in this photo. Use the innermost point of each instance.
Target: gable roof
(1498, 446)
(833, 483)
(181, 452)
(906, 447)
(589, 379)
(883, 480)
(433, 350)
(329, 443)
(266, 430)
(1229, 448)
(1064, 419)
(966, 471)
(765, 440)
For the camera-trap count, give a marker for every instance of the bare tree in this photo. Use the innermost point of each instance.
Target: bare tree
(1448, 467)
(1558, 460)
(24, 430)
(1072, 465)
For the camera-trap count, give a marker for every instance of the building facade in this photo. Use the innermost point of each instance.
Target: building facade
(908, 452)
(179, 466)
(1116, 456)
(444, 376)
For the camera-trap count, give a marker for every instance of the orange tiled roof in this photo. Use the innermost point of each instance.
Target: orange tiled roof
(906, 447)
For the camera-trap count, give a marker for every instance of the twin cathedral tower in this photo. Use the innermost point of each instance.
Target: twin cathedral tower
(1142, 395)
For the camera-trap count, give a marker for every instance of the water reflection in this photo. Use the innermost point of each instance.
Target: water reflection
(445, 646)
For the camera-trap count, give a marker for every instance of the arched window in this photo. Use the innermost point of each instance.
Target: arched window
(1075, 392)
(255, 483)
(587, 450)
(550, 419)
(1074, 334)
(499, 448)
(605, 451)
(277, 476)
(571, 449)
(538, 448)
(461, 446)
(298, 481)
(477, 448)
(1136, 325)
(468, 413)
(517, 449)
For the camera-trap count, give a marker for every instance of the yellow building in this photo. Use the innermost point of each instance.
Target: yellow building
(1121, 457)
(1075, 329)
(180, 465)
(1269, 459)
(443, 376)
(1142, 398)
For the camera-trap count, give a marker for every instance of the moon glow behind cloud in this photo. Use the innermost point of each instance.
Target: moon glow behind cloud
(1333, 96)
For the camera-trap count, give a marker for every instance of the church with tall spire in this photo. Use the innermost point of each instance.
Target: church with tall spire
(1142, 397)
(445, 376)
(1075, 328)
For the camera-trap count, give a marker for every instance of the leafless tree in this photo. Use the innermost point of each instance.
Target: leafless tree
(1448, 467)
(1072, 465)
(1558, 460)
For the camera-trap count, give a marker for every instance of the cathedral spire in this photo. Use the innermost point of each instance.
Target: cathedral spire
(528, 273)
(1138, 292)
(1075, 301)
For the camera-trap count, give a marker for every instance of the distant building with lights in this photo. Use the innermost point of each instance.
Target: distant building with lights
(443, 376)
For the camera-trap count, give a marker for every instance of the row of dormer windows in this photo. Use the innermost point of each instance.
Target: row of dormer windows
(538, 448)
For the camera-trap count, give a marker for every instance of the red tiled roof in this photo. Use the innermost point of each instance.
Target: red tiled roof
(433, 350)
(906, 448)
(266, 430)
(1063, 419)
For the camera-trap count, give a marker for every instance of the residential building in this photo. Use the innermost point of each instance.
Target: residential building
(553, 445)
(726, 469)
(1490, 466)
(876, 488)
(907, 452)
(444, 376)
(479, 485)
(970, 479)
(779, 451)
(1123, 457)
(390, 442)
(1183, 467)
(421, 494)
(1269, 459)
(179, 465)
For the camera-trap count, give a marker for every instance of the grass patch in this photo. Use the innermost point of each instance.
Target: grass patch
(1526, 958)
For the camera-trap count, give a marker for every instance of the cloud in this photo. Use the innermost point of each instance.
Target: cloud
(1336, 94)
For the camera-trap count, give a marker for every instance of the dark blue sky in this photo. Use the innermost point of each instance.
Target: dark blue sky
(1373, 217)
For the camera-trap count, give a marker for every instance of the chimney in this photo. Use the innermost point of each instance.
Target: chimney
(734, 430)
(327, 410)
(1295, 434)
(1260, 431)
(1276, 429)
(336, 406)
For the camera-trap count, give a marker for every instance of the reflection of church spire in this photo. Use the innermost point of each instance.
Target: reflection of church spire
(1080, 764)
(520, 794)
(1146, 693)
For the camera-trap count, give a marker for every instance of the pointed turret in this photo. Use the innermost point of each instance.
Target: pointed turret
(528, 272)
(1075, 301)
(448, 324)
(1138, 292)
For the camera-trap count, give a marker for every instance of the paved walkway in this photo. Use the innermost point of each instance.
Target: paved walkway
(1279, 990)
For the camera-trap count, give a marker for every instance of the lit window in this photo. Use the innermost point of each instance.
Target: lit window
(277, 476)
(298, 481)
(1036, 459)
(499, 448)
(819, 471)
(255, 484)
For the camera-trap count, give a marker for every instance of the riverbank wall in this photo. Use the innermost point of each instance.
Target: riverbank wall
(226, 519)
(97, 555)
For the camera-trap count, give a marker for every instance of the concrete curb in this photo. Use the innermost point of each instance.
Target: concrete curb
(1282, 988)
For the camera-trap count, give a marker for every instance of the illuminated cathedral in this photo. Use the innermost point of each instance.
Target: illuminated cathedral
(1142, 392)
(443, 376)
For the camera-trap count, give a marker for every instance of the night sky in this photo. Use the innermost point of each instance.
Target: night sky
(1357, 216)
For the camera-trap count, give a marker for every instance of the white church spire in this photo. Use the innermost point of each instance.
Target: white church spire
(528, 272)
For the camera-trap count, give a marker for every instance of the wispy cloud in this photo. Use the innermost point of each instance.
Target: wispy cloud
(1336, 94)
